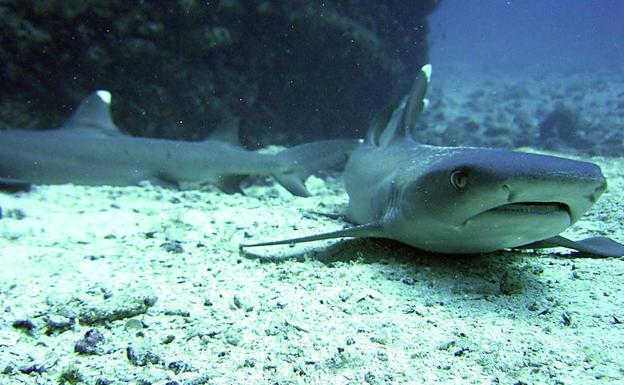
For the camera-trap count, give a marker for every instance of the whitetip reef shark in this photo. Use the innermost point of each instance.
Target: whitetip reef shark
(461, 200)
(89, 149)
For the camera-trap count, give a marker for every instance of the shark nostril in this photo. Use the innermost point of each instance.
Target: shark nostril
(598, 192)
(509, 192)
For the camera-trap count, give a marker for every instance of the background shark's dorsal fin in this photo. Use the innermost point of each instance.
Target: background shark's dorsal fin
(227, 131)
(403, 118)
(93, 113)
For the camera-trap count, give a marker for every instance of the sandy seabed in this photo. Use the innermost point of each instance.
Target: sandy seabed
(146, 285)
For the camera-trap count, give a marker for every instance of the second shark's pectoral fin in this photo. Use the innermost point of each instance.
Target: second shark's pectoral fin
(308, 158)
(594, 246)
(374, 229)
(14, 185)
(230, 184)
(293, 183)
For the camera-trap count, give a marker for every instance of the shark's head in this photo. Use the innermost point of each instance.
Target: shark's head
(481, 200)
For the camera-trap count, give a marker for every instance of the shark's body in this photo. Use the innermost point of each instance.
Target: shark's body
(462, 199)
(90, 150)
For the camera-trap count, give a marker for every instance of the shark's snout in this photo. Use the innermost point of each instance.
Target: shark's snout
(572, 189)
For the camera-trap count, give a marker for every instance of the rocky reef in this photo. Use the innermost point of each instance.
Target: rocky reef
(293, 70)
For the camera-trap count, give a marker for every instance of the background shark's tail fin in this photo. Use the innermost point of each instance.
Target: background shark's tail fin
(308, 158)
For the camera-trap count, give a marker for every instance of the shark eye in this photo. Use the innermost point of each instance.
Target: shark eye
(459, 179)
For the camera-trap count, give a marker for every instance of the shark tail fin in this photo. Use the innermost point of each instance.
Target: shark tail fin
(368, 230)
(94, 113)
(305, 159)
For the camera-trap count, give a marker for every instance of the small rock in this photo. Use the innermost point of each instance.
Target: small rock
(34, 368)
(379, 339)
(345, 295)
(273, 329)
(566, 319)
(150, 300)
(133, 324)
(94, 336)
(82, 347)
(88, 344)
(9, 369)
(445, 344)
(172, 247)
(180, 367)
(24, 324)
(243, 303)
(234, 336)
(141, 356)
(59, 324)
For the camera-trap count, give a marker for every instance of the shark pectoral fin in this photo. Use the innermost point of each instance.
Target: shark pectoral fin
(293, 183)
(374, 229)
(305, 159)
(596, 246)
(230, 184)
(342, 217)
(14, 185)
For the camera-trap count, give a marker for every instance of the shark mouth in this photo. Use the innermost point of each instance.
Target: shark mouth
(533, 208)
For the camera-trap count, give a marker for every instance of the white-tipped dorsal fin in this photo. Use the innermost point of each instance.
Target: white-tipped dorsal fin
(227, 131)
(93, 113)
(404, 117)
(426, 69)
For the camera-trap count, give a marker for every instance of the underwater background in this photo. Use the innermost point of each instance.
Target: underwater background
(146, 284)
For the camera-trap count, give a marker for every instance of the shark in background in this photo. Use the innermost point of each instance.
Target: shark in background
(89, 149)
(461, 199)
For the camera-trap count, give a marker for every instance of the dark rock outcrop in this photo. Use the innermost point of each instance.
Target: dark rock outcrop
(294, 71)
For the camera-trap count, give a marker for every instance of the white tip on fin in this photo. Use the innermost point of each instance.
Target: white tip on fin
(425, 103)
(426, 69)
(93, 113)
(105, 96)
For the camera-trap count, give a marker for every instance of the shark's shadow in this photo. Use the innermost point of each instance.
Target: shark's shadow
(508, 274)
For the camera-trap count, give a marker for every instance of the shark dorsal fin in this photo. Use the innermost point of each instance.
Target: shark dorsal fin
(403, 118)
(379, 123)
(416, 101)
(227, 131)
(93, 113)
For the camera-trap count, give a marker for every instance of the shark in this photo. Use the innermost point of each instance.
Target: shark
(461, 200)
(89, 149)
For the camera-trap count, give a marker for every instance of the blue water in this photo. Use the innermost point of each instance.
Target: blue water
(516, 35)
